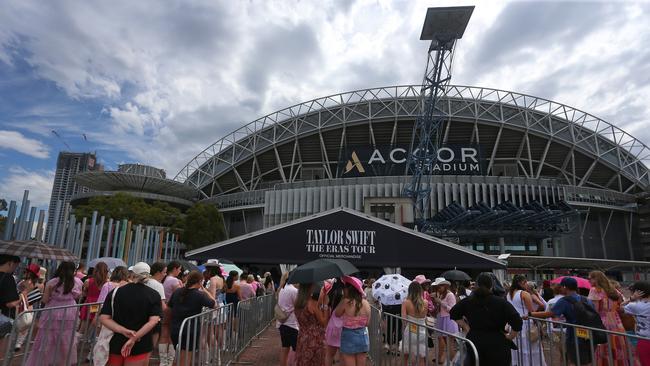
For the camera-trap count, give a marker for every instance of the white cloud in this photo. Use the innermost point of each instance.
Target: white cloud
(13, 140)
(39, 184)
(175, 78)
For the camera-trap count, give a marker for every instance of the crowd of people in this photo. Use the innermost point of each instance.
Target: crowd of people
(317, 322)
(143, 305)
(326, 322)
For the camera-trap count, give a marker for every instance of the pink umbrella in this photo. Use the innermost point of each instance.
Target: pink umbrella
(582, 282)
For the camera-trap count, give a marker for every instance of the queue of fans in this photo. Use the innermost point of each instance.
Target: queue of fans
(143, 305)
(321, 323)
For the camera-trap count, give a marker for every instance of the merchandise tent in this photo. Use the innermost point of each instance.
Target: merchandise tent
(348, 234)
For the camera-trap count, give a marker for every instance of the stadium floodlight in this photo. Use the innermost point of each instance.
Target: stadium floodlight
(444, 24)
(443, 27)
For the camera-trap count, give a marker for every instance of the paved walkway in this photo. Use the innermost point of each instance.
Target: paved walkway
(263, 350)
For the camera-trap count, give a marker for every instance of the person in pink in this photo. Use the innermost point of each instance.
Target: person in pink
(247, 290)
(355, 312)
(56, 336)
(80, 273)
(91, 290)
(425, 283)
(119, 277)
(444, 300)
(170, 283)
(334, 292)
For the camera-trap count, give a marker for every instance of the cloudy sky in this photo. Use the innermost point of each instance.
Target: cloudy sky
(156, 82)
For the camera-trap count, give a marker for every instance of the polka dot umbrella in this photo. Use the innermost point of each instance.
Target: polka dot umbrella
(391, 289)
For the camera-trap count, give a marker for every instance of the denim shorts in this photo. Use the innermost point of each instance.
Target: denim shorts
(354, 340)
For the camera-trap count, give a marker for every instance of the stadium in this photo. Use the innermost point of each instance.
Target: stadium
(509, 164)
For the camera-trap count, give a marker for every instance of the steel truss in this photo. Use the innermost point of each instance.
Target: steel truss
(426, 134)
(605, 146)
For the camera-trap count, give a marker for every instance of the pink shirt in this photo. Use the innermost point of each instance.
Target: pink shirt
(246, 290)
(286, 299)
(447, 303)
(106, 288)
(171, 283)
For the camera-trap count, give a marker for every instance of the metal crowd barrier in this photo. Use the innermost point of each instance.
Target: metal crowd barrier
(554, 346)
(207, 338)
(56, 336)
(398, 341)
(254, 315)
(218, 336)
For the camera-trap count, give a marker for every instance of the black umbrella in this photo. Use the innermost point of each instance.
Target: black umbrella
(455, 275)
(321, 269)
(189, 266)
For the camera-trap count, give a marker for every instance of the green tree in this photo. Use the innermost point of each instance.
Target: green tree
(203, 225)
(124, 206)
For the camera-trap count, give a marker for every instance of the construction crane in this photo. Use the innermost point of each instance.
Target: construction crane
(62, 140)
(443, 27)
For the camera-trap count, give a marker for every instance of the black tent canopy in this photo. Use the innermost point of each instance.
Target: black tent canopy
(348, 234)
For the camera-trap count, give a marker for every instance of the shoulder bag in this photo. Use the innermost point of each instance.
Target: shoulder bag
(102, 349)
(534, 333)
(280, 315)
(24, 319)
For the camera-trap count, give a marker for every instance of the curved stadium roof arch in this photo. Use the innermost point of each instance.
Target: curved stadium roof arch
(541, 137)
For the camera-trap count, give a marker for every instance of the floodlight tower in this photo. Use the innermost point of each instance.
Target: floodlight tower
(443, 27)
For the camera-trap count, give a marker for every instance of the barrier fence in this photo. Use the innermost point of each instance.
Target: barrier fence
(398, 341)
(51, 336)
(218, 336)
(557, 343)
(207, 338)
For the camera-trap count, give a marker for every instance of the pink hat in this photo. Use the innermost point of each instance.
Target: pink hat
(421, 279)
(328, 286)
(355, 282)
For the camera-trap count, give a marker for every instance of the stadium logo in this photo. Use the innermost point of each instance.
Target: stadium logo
(354, 163)
(450, 159)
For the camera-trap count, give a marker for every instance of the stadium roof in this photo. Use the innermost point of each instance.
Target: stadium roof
(334, 233)
(540, 137)
(540, 263)
(120, 181)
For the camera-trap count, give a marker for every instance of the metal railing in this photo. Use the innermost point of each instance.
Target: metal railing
(207, 338)
(557, 345)
(219, 336)
(398, 341)
(254, 315)
(55, 336)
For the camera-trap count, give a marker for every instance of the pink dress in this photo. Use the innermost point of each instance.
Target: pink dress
(92, 294)
(333, 331)
(608, 311)
(57, 334)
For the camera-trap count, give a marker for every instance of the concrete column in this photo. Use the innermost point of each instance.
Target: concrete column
(502, 245)
(556, 246)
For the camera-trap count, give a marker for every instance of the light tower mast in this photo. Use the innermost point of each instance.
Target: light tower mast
(443, 27)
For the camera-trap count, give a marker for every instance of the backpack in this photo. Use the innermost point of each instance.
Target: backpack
(586, 315)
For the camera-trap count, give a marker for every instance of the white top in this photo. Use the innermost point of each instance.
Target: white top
(154, 284)
(549, 306)
(286, 299)
(518, 303)
(641, 312)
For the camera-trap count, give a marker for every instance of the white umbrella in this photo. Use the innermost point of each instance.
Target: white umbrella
(391, 289)
(111, 262)
(231, 267)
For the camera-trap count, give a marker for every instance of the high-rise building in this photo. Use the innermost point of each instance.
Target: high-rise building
(68, 165)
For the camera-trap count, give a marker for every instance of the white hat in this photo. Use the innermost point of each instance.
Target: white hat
(212, 263)
(140, 268)
(441, 281)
